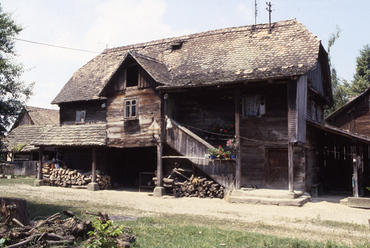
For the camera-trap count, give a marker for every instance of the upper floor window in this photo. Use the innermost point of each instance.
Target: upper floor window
(132, 75)
(131, 108)
(254, 105)
(80, 116)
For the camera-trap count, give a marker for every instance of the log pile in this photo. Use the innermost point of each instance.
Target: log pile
(73, 178)
(53, 231)
(185, 185)
(199, 187)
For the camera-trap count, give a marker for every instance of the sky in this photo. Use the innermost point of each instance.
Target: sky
(84, 28)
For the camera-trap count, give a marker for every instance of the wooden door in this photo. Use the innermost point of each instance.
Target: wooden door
(278, 167)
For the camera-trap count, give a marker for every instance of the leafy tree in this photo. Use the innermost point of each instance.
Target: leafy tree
(361, 79)
(340, 87)
(13, 92)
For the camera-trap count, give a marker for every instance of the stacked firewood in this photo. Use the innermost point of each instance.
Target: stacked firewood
(199, 187)
(73, 178)
(183, 184)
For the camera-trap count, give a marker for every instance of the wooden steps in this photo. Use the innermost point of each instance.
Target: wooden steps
(269, 197)
(194, 148)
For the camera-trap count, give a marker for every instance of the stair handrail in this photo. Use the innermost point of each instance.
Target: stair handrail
(190, 133)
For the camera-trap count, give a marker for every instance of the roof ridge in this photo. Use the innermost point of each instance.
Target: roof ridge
(201, 34)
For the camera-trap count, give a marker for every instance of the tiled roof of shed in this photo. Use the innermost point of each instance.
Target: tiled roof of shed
(72, 135)
(23, 134)
(213, 57)
(55, 135)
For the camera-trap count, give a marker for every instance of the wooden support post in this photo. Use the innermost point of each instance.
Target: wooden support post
(93, 186)
(39, 181)
(355, 172)
(238, 170)
(290, 167)
(39, 171)
(159, 189)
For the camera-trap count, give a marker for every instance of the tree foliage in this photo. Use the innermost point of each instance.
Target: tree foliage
(361, 80)
(340, 87)
(13, 92)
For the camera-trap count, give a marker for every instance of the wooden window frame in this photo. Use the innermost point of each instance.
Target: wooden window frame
(80, 116)
(261, 107)
(129, 105)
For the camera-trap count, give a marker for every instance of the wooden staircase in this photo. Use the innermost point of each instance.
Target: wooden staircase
(194, 148)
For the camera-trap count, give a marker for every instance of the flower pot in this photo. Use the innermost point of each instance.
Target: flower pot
(212, 157)
(233, 156)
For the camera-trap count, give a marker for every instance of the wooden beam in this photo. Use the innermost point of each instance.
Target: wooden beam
(93, 166)
(355, 171)
(183, 157)
(238, 170)
(290, 167)
(39, 172)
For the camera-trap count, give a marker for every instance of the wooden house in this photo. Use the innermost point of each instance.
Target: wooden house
(26, 128)
(158, 105)
(353, 116)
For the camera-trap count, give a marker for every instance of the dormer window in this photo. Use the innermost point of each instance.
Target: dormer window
(131, 105)
(176, 45)
(80, 116)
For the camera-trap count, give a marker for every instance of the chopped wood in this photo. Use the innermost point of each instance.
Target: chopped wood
(74, 179)
(53, 231)
(183, 185)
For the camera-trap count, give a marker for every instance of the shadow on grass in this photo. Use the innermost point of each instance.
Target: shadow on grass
(41, 210)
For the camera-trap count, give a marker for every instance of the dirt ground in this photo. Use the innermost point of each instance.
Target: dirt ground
(322, 219)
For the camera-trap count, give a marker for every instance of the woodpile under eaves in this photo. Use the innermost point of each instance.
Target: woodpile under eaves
(72, 178)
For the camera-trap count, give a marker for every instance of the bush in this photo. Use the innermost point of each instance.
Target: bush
(104, 235)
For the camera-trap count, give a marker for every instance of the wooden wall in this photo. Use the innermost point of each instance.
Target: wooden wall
(132, 133)
(95, 112)
(356, 118)
(259, 134)
(201, 107)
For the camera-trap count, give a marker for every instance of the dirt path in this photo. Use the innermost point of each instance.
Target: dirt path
(318, 220)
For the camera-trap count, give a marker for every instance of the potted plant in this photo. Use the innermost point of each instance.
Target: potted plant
(216, 152)
(227, 154)
(233, 146)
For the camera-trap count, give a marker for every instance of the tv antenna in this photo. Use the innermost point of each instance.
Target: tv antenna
(269, 10)
(255, 12)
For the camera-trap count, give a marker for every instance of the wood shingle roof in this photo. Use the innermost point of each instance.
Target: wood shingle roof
(220, 56)
(55, 135)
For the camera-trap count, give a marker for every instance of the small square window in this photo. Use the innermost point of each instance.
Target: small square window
(80, 116)
(130, 108)
(254, 105)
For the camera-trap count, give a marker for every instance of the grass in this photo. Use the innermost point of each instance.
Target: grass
(163, 232)
(189, 231)
(17, 180)
(181, 230)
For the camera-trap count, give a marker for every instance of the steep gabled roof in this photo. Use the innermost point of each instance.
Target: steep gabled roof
(213, 57)
(43, 116)
(37, 116)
